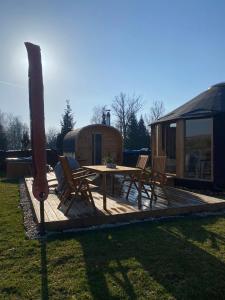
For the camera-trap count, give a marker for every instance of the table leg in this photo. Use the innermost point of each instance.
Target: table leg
(104, 190)
(113, 184)
(139, 194)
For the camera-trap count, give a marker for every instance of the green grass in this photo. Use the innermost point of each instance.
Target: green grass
(179, 259)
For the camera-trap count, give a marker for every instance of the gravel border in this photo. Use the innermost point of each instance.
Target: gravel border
(30, 226)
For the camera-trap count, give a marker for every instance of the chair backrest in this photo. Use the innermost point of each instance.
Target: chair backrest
(159, 164)
(66, 170)
(142, 161)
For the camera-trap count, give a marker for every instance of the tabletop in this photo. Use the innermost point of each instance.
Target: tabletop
(118, 169)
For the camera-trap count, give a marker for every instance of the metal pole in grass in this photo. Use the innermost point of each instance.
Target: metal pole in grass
(42, 216)
(37, 127)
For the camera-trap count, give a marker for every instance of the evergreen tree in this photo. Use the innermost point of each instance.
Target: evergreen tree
(132, 133)
(143, 135)
(67, 124)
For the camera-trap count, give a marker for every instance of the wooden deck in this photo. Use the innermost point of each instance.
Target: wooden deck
(119, 210)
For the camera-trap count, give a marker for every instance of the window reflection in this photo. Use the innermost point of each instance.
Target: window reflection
(198, 153)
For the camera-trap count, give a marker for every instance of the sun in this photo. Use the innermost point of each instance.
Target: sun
(21, 61)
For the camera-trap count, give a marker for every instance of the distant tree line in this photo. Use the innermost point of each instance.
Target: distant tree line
(14, 134)
(125, 109)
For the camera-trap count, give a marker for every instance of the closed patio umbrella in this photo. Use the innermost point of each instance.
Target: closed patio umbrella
(36, 103)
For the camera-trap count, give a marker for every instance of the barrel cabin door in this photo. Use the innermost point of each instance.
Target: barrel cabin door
(96, 149)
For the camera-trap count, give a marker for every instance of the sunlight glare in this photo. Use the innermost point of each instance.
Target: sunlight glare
(21, 61)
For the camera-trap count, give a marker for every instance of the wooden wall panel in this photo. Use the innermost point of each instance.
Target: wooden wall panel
(153, 140)
(111, 144)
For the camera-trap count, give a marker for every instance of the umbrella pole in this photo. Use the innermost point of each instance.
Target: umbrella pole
(42, 215)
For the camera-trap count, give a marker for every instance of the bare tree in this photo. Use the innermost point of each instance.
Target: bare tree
(51, 137)
(3, 117)
(98, 111)
(156, 111)
(123, 107)
(14, 131)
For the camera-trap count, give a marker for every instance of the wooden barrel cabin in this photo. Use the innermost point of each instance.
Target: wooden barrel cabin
(92, 143)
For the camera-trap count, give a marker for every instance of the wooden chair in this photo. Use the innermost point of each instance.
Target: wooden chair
(76, 184)
(159, 164)
(53, 182)
(158, 179)
(133, 179)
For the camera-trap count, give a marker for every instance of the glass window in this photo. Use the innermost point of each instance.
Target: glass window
(171, 140)
(171, 148)
(198, 150)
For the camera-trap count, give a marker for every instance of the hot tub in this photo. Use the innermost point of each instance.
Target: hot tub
(17, 167)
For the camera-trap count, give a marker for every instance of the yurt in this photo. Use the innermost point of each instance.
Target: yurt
(192, 138)
(92, 143)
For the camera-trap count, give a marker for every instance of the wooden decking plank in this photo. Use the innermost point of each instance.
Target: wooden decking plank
(79, 223)
(50, 211)
(119, 209)
(54, 204)
(35, 202)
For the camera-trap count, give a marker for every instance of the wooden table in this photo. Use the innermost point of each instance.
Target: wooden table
(103, 170)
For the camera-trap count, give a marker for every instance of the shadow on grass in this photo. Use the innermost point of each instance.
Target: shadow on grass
(144, 259)
(44, 271)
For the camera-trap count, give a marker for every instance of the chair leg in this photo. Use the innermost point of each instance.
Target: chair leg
(166, 195)
(64, 197)
(142, 188)
(91, 197)
(146, 192)
(84, 194)
(152, 194)
(71, 203)
(128, 191)
(121, 188)
(135, 184)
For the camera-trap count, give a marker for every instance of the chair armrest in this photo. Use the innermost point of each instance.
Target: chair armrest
(52, 179)
(83, 176)
(76, 170)
(75, 174)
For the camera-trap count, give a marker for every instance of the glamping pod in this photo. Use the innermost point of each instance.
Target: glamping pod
(192, 138)
(90, 144)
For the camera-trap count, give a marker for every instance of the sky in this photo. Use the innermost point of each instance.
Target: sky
(92, 50)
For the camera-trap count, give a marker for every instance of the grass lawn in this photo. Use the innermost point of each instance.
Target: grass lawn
(179, 259)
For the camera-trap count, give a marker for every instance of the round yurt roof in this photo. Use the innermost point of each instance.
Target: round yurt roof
(208, 103)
